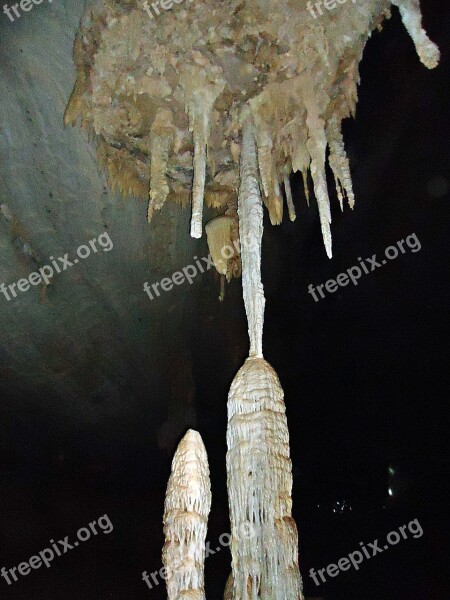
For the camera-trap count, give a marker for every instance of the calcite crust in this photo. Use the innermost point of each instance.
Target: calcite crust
(199, 64)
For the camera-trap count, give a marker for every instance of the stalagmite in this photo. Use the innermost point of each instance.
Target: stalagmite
(228, 593)
(289, 201)
(162, 135)
(264, 535)
(186, 510)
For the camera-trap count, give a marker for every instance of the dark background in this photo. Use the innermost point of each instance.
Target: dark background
(363, 372)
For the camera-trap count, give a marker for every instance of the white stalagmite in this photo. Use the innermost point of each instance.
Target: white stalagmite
(264, 535)
(186, 510)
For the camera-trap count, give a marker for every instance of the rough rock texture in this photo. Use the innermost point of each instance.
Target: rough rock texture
(164, 94)
(265, 565)
(186, 510)
(259, 469)
(228, 594)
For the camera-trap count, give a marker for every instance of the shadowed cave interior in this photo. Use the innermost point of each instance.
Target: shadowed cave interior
(99, 383)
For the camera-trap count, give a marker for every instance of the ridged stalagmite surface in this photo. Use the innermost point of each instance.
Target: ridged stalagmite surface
(186, 510)
(264, 564)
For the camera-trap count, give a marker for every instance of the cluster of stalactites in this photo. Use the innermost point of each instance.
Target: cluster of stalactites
(310, 154)
(186, 510)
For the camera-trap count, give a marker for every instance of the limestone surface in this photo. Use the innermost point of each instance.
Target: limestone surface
(163, 94)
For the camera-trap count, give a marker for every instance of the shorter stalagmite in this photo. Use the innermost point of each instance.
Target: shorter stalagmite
(186, 510)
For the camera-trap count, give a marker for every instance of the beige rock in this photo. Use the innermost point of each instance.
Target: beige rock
(259, 470)
(186, 510)
(298, 73)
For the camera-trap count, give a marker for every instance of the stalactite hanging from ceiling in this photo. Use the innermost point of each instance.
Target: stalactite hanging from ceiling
(164, 95)
(203, 105)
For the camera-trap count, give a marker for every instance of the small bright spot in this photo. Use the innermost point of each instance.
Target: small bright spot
(391, 471)
(390, 492)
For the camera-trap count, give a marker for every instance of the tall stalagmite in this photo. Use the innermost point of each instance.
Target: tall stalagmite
(265, 563)
(186, 510)
(197, 104)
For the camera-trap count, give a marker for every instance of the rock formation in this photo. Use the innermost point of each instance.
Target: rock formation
(186, 510)
(164, 95)
(202, 103)
(265, 565)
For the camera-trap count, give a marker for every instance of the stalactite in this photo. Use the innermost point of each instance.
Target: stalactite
(427, 51)
(317, 145)
(200, 110)
(305, 185)
(269, 180)
(289, 200)
(264, 535)
(339, 163)
(218, 235)
(162, 136)
(186, 510)
(222, 288)
(250, 231)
